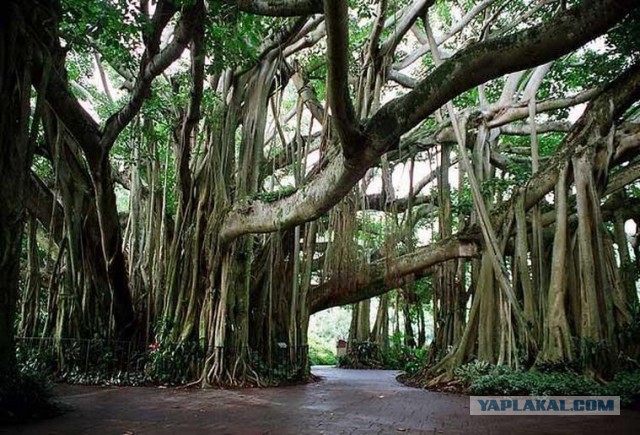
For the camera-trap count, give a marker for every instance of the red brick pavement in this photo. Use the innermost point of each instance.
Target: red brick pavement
(344, 402)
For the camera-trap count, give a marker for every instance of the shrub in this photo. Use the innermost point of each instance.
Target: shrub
(626, 385)
(362, 355)
(518, 383)
(414, 360)
(174, 363)
(409, 360)
(470, 372)
(26, 396)
(320, 354)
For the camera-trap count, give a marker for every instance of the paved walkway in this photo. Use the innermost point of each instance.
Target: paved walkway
(344, 402)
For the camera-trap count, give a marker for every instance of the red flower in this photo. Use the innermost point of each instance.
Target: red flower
(154, 346)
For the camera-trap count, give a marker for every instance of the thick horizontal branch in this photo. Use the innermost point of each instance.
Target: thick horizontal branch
(560, 35)
(623, 177)
(590, 131)
(279, 8)
(506, 115)
(386, 274)
(313, 36)
(307, 203)
(486, 60)
(402, 79)
(525, 129)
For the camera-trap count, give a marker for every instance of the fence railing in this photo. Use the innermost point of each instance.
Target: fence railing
(286, 363)
(80, 360)
(98, 361)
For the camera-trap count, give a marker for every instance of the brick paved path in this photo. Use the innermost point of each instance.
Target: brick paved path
(344, 402)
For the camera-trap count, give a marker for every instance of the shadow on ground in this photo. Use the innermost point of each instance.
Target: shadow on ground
(342, 402)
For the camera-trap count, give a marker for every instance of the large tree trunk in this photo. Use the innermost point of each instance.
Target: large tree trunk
(556, 334)
(116, 266)
(380, 332)
(16, 150)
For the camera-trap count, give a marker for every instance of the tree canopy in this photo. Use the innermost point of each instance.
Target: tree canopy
(213, 172)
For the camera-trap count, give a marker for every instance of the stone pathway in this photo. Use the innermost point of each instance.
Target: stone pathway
(343, 402)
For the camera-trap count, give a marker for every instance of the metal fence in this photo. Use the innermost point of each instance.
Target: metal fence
(98, 361)
(286, 363)
(81, 359)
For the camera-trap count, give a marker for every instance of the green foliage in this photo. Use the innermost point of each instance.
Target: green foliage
(113, 25)
(470, 98)
(170, 363)
(320, 354)
(582, 70)
(368, 355)
(327, 326)
(558, 366)
(462, 201)
(166, 362)
(232, 39)
(423, 289)
(25, 397)
(557, 379)
(518, 383)
(282, 370)
(597, 356)
(626, 385)
(86, 362)
(414, 361)
(496, 186)
(623, 38)
(469, 372)
(401, 357)
(443, 10)
(520, 170)
(42, 167)
(362, 355)
(275, 195)
(371, 230)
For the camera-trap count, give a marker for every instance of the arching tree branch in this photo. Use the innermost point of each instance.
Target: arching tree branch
(344, 114)
(279, 8)
(567, 31)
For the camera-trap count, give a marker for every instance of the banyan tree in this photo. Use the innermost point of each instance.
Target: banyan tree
(214, 172)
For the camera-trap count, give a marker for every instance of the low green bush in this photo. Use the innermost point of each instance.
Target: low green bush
(535, 384)
(487, 380)
(368, 355)
(626, 385)
(174, 363)
(26, 396)
(362, 355)
(409, 360)
(469, 373)
(320, 354)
